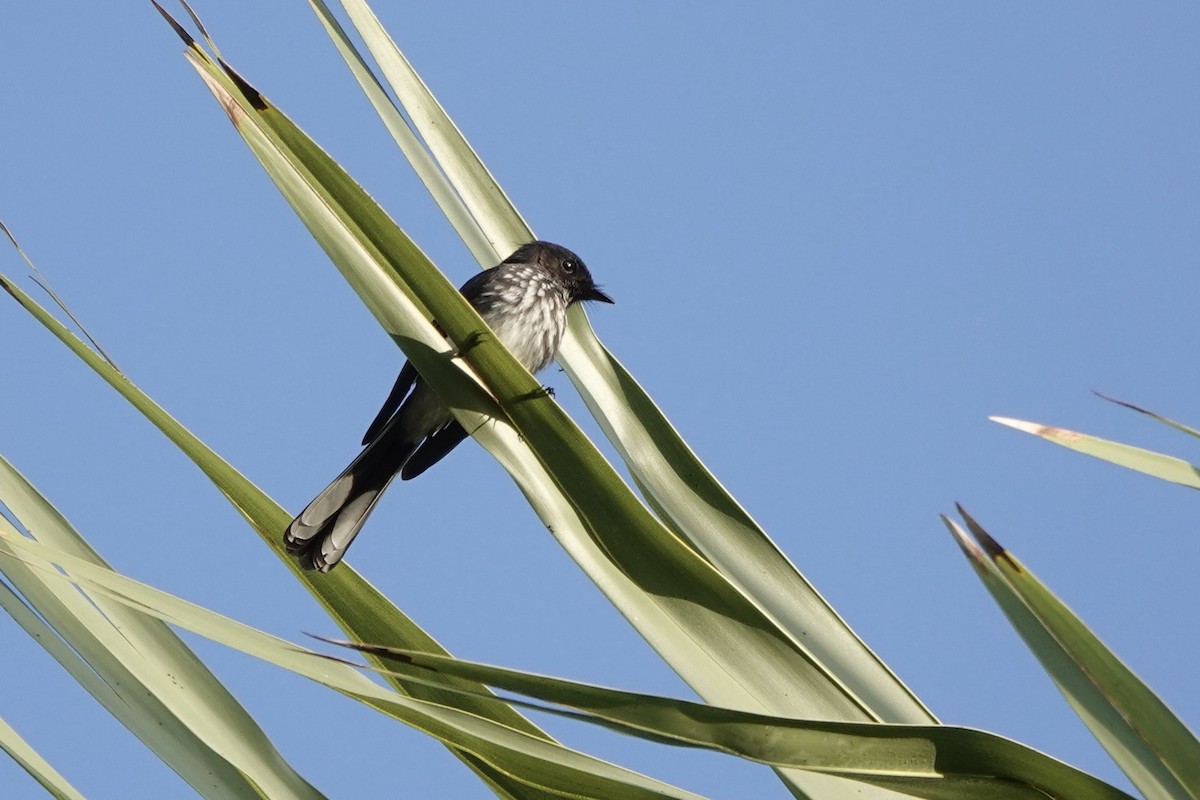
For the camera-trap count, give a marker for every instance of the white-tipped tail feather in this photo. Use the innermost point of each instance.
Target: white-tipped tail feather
(324, 530)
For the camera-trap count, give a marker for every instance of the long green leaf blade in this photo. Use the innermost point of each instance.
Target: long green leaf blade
(128, 649)
(1148, 462)
(489, 207)
(670, 475)
(1179, 426)
(539, 765)
(714, 624)
(423, 164)
(104, 665)
(1149, 742)
(32, 762)
(925, 761)
(355, 605)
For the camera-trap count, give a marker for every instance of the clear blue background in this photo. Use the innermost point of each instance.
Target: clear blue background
(839, 238)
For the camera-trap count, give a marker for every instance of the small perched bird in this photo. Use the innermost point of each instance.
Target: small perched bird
(524, 300)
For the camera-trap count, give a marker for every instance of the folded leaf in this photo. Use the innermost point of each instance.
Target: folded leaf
(1149, 742)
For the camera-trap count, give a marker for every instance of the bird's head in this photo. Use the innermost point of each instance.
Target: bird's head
(564, 267)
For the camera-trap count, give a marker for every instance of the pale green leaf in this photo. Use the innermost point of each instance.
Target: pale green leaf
(1148, 462)
(930, 761)
(1149, 742)
(424, 165)
(699, 612)
(100, 660)
(670, 475)
(33, 763)
(166, 695)
(490, 209)
(1179, 426)
(541, 765)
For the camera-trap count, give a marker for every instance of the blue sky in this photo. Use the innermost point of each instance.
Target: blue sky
(839, 238)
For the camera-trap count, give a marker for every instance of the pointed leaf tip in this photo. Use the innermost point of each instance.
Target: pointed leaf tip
(387, 653)
(951, 526)
(1179, 426)
(1124, 404)
(179, 29)
(964, 542)
(1045, 431)
(1021, 425)
(196, 20)
(1132, 407)
(989, 545)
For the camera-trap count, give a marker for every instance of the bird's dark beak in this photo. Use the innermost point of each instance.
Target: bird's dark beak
(597, 295)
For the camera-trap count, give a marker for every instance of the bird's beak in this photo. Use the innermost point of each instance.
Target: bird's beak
(596, 294)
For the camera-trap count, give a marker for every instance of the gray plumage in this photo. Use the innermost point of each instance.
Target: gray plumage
(524, 300)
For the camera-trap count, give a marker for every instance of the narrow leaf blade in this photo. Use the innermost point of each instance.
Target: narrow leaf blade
(1148, 462)
(1148, 741)
(32, 762)
(1179, 426)
(158, 662)
(685, 494)
(540, 766)
(924, 761)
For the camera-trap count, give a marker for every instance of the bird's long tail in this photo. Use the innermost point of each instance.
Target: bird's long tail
(323, 531)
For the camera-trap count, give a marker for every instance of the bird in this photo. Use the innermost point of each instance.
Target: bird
(524, 300)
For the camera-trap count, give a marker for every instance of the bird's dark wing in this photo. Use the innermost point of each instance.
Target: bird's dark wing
(432, 450)
(476, 290)
(473, 290)
(408, 375)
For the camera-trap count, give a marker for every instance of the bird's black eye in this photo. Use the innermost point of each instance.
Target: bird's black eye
(570, 265)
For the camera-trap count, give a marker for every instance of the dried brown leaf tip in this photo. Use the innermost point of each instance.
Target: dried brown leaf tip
(989, 545)
(996, 551)
(179, 29)
(1130, 406)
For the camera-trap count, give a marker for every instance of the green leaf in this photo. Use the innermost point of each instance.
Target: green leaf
(924, 761)
(1148, 462)
(426, 168)
(354, 604)
(148, 678)
(491, 212)
(1154, 748)
(674, 481)
(539, 767)
(1179, 426)
(699, 617)
(32, 762)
